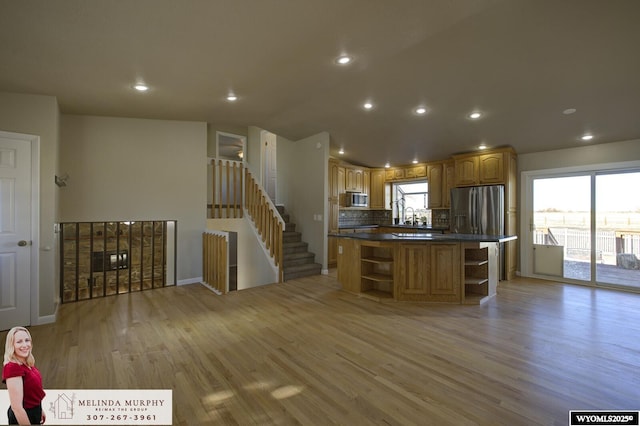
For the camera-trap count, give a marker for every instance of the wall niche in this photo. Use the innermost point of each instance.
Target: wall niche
(101, 259)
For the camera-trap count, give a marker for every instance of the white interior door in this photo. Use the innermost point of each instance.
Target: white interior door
(15, 231)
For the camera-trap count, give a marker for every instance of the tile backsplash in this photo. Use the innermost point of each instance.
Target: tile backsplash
(356, 217)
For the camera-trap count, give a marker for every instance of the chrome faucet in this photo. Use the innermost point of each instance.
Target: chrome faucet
(413, 213)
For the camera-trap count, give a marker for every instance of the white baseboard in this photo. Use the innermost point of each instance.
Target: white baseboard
(196, 280)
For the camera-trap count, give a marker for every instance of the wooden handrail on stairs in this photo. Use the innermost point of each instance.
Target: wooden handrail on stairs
(266, 219)
(215, 261)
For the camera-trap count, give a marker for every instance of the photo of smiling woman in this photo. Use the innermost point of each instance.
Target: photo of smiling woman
(23, 379)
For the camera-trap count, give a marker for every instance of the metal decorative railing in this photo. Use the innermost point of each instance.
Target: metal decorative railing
(100, 259)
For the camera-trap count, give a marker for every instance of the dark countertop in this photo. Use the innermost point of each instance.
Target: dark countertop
(419, 236)
(399, 227)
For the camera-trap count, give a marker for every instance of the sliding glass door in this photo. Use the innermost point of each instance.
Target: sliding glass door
(617, 229)
(585, 227)
(562, 231)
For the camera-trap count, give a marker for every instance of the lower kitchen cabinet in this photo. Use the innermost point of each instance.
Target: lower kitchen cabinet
(429, 272)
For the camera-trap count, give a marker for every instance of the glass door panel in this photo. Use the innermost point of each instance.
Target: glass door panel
(618, 229)
(562, 227)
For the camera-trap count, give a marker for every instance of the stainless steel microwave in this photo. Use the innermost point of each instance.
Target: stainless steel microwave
(357, 199)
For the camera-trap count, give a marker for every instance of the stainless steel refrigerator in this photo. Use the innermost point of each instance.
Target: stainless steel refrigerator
(479, 210)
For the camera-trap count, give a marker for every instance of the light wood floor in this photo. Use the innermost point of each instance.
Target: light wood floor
(304, 352)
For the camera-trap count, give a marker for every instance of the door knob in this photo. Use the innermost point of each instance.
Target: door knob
(22, 243)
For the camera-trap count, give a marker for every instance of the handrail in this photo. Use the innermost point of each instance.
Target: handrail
(215, 260)
(266, 219)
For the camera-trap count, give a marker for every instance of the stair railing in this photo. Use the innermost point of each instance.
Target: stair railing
(226, 187)
(266, 219)
(215, 260)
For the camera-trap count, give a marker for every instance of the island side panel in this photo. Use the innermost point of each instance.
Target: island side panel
(349, 264)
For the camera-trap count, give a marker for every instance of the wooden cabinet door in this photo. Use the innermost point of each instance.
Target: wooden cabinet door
(445, 273)
(354, 179)
(394, 174)
(466, 171)
(359, 180)
(434, 178)
(350, 179)
(415, 172)
(335, 178)
(448, 180)
(366, 183)
(412, 270)
(491, 168)
(376, 197)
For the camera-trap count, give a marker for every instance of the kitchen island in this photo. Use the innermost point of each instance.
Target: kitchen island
(424, 267)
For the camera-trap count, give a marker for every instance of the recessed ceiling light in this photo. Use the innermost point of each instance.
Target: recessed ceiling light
(421, 110)
(475, 115)
(367, 105)
(341, 151)
(587, 137)
(141, 87)
(231, 97)
(344, 60)
(569, 111)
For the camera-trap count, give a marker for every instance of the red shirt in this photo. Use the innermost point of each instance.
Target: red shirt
(32, 382)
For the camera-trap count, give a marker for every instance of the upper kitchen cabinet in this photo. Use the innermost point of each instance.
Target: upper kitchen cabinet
(336, 180)
(434, 177)
(354, 179)
(489, 168)
(394, 174)
(409, 172)
(440, 176)
(415, 172)
(448, 181)
(377, 194)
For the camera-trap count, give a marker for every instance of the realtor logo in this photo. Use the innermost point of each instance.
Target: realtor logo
(62, 407)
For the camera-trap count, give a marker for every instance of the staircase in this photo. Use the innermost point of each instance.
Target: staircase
(297, 260)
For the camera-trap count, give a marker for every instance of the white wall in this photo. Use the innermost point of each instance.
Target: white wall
(581, 156)
(137, 169)
(39, 115)
(309, 192)
(253, 267)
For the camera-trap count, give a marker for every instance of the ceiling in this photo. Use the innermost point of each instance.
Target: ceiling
(520, 62)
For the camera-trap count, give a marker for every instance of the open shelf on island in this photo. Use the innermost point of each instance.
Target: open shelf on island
(375, 259)
(376, 271)
(480, 272)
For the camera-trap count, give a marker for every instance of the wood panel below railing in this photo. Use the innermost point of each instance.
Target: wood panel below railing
(215, 261)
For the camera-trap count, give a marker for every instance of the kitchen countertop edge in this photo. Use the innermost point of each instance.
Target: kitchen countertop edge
(418, 237)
